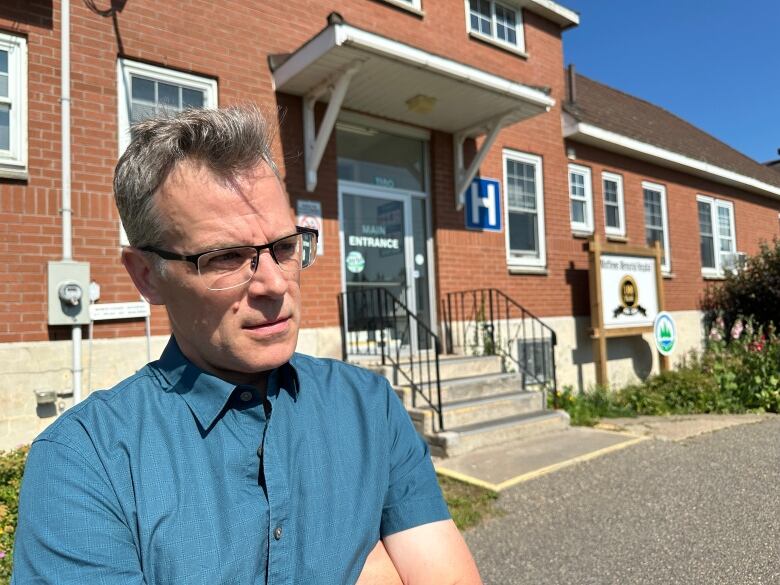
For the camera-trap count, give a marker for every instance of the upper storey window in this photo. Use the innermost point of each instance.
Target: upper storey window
(13, 106)
(496, 22)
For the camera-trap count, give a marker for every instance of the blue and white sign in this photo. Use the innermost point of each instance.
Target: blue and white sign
(665, 333)
(483, 205)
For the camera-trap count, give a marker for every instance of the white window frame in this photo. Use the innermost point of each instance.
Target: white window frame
(538, 261)
(13, 162)
(410, 5)
(125, 70)
(716, 204)
(618, 180)
(585, 227)
(493, 37)
(666, 266)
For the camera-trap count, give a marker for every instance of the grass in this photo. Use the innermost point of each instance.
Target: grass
(469, 504)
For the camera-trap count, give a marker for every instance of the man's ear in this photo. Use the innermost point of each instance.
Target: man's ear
(144, 274)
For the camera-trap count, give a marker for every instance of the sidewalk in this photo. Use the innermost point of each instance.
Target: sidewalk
(499, 467)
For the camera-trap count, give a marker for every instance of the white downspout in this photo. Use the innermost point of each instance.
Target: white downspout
(67, 211)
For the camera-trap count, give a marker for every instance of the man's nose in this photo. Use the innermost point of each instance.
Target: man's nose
(269, 279)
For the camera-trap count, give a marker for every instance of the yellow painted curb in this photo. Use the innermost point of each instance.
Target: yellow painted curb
(466, 478)
(539, 472)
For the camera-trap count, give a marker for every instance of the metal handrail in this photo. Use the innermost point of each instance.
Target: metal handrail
(376, 323)
(488, 322)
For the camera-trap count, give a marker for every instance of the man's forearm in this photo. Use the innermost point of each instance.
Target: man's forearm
(379, 569)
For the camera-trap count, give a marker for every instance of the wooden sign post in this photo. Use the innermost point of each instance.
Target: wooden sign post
(626, 293)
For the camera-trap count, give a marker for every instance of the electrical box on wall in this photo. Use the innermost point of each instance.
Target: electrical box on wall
(68, 293)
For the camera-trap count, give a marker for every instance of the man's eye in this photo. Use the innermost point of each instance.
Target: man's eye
(226, 260)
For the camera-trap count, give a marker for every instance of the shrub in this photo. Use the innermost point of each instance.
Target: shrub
(11, 470)
(585, 409)
(752, 291)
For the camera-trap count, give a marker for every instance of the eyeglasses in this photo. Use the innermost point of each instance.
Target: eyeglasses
(231, 267)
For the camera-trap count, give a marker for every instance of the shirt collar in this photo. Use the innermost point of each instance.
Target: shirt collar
(206, 394)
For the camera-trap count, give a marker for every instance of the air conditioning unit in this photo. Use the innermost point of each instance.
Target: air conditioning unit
(732, 261)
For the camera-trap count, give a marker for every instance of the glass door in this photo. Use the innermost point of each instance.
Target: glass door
(384, 246)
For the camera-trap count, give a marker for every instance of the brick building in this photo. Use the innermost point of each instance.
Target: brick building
(388, 109)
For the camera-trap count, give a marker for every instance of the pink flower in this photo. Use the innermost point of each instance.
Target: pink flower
(737, 329)
(719, 323)
(2, 554)
(715, 335)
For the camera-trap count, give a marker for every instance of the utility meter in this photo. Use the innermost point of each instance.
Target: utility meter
(68, 293)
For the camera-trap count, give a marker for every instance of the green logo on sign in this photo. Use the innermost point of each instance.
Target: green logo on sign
(665, 333)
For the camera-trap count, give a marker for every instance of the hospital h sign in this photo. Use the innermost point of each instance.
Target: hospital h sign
(483, 205)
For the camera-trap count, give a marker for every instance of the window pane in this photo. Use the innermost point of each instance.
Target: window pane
(168, 96)
(143, 89)
(653, 212)
(505, 24)
(705, 219)
(578, 211)
(3, 85)
(610, 191)
(523, 233)
(5, 127)
(577, 185)
(726, 245)
(191, 98)
(613, 217)
(724, 222)
(3, 61)
(141, 112)
(480, 16)
(707, 252)
(521, 185)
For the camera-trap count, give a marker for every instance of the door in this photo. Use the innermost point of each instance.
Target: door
(379, 232)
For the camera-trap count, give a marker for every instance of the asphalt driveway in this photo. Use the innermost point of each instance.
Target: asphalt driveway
(702, 510)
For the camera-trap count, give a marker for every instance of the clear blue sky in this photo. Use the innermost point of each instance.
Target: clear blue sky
(715, 63)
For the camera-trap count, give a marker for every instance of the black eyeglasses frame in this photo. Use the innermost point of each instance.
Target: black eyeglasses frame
(195, 257)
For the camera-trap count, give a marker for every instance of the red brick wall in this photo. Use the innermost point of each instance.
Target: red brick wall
(230, 41)
(755, 217)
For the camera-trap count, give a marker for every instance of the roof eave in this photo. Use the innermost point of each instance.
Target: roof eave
(578, 131)
(560, 15)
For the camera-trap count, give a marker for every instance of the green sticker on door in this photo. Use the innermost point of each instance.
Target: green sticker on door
(355, 262)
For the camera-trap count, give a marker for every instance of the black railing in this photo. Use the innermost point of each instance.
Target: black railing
(488, 322)
(376, 323)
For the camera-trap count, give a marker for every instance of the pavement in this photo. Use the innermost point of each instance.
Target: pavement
(696, 502)
(503, 466)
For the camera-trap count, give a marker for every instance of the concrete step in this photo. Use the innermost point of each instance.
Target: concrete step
(476, 410)
(458, 440)
(456, 389)
(453, 367)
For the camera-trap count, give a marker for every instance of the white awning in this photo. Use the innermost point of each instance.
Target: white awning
(391, 73)
(368, 73)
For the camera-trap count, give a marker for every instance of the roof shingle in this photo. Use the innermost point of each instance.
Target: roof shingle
(607, 108)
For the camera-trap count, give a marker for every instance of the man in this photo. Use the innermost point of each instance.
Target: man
(229, 460)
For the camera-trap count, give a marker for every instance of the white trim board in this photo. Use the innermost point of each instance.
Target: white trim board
(589, 134)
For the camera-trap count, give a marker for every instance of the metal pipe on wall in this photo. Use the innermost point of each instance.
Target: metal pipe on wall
(67, 211)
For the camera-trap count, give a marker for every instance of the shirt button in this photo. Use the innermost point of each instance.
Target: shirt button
(246, 396)
(260, 451)
(278, 532)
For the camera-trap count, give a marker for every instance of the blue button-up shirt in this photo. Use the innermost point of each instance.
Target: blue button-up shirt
(176, 476)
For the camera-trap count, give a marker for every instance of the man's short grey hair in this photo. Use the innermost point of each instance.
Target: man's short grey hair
(228, 142)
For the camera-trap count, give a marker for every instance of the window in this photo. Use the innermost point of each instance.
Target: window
(412, 5)
(13, 106)
(495, 22)
(145, 90)
(524, 209)
(716, 233)
(581, 199)
(614, 215)
(656, 222)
